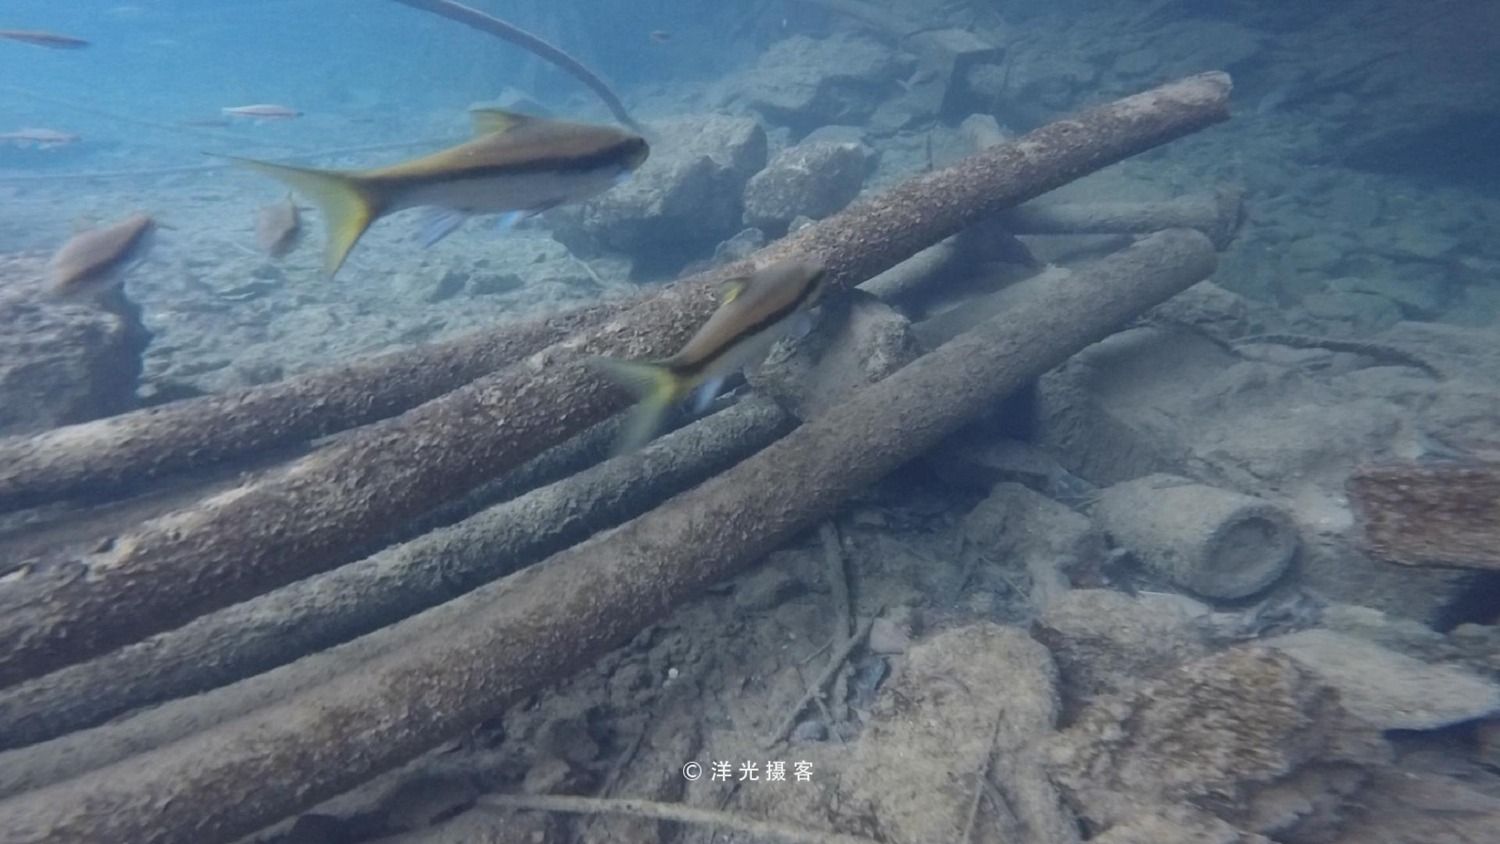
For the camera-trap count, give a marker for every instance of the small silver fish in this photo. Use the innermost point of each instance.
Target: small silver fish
(262, 111)
(43, 39)
(96, 260)
(43, 138)
(754, 312)
(278, 228)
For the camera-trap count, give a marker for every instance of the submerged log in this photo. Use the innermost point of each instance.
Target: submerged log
(222, 648)
(537, 626)
(109, 455)
(319, 612)
(1217, 215)
(1437, 514)
(307, 518)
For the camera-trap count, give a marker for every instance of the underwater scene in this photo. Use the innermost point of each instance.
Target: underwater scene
(820, 421)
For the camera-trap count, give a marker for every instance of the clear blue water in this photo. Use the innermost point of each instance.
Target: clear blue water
(1365, 137)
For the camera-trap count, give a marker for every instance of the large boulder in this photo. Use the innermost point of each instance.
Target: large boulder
(804, 83)
(685, 199)
(62, 362)
(1245, 734)
(811, 179)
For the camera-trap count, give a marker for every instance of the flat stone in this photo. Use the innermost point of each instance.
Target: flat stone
(1388, 689)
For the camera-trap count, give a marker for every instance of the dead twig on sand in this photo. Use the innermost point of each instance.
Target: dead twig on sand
(835, 663)
(838, 579)
(843, 608)
(667, 812)
(1379, 352)
(982, 779)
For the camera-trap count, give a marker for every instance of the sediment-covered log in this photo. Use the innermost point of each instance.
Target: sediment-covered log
(109, 455)
(1438, 514)
(1217, 215)
(319, 612)
(222, 648)
(307, 518)
(536, 626)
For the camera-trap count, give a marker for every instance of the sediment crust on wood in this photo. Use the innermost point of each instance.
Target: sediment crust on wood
(224, 647)
(110, 455)
(321, 611)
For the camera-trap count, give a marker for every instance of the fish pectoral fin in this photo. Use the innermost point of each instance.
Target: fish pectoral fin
(543, 207)
(508, 220)
(348, 204)
(730, 289)
(492, 121)
(438, 224)
(707, 393)
(800, 325)
(656, 386)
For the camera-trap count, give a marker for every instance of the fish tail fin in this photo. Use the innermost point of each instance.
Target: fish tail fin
(348, 203)
(657, 387)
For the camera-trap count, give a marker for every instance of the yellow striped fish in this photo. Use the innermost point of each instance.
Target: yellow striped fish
(516, 163)
(754, 312)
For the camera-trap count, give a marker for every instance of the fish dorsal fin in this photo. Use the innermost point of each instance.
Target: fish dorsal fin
(730, 289)
(493, 121)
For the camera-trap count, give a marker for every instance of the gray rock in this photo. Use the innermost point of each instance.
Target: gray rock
(966, 700)
(740, 246)
(1050, 541)
(836, 134)
(62, 363)
(493, 284)
(888, 637)
(1176, 825)
(811, 730)
(804, 82)
(976, 459)
(448, 285)
(1208, 306)
(856, 342)
(1246, 732)
(1355, 204)
(1418, 298)
(1320, 252)
(1388, 689)
(1092, 411)
(812, 179)
(1401, 807)
(1137, 62)
(478, 826)
(766, 588)
(1106, 641)
(1362, 312)
(423, 801)
(686, 197)
(551, 775)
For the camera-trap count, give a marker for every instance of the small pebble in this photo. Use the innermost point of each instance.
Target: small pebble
(810, 731)
(888, 637)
